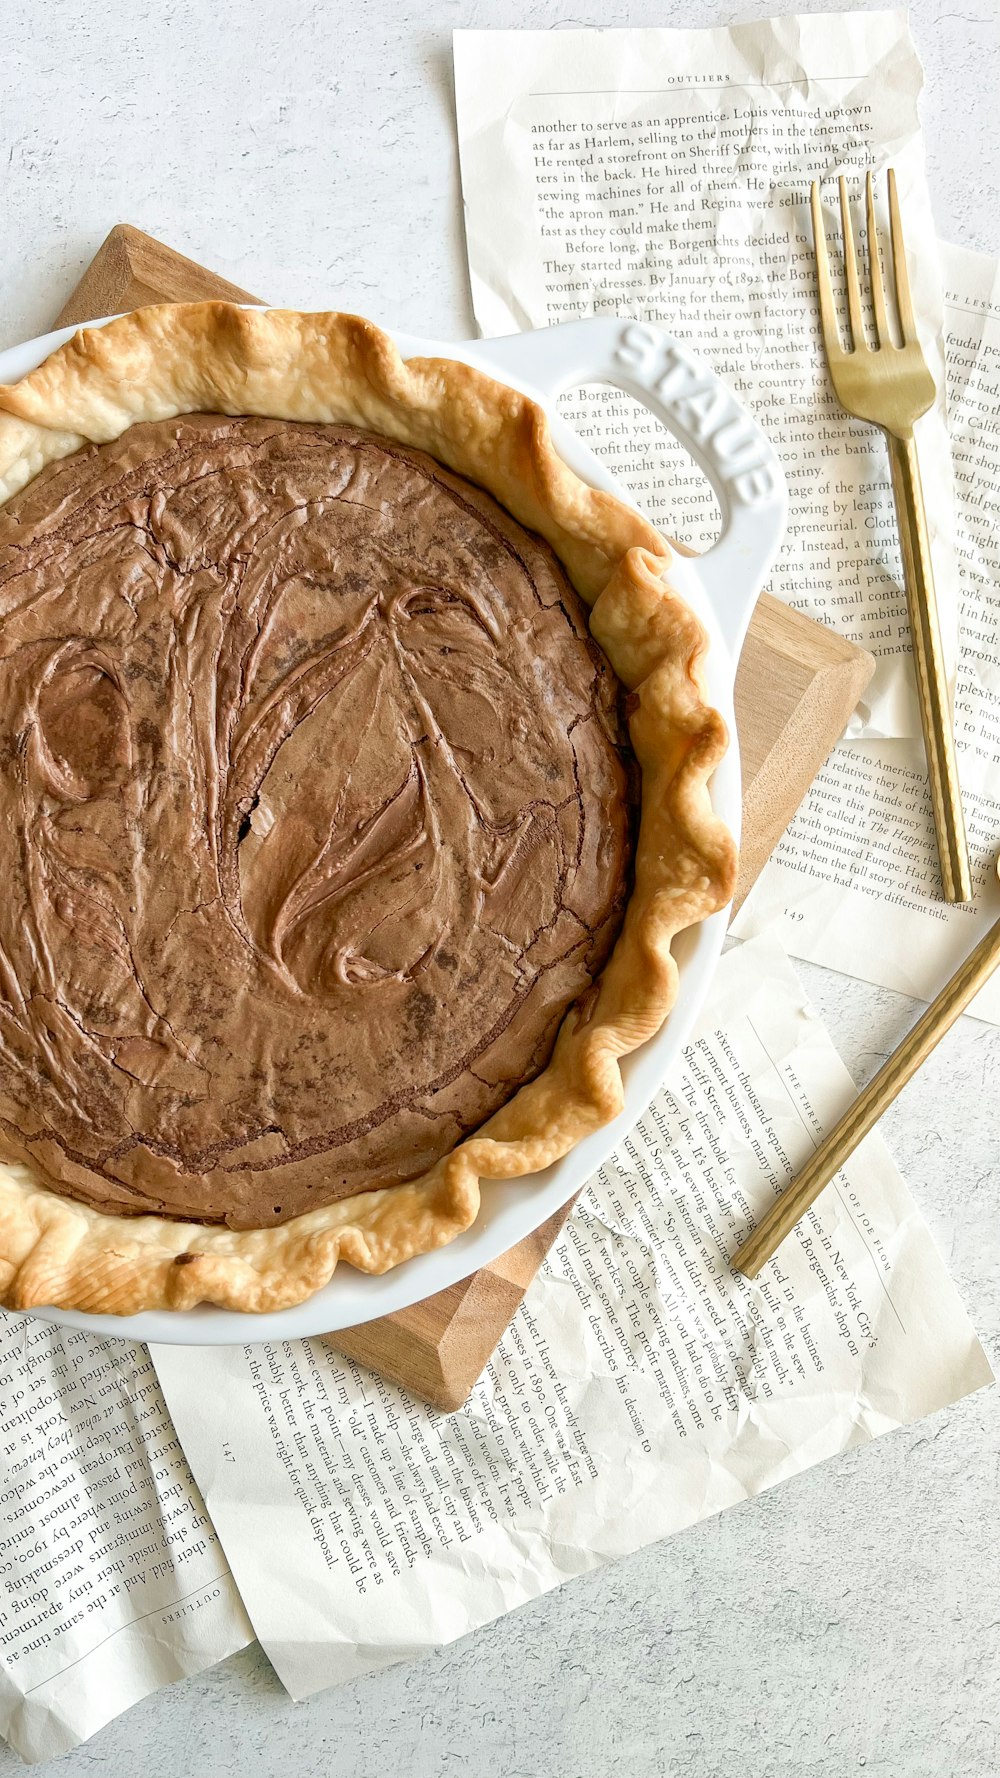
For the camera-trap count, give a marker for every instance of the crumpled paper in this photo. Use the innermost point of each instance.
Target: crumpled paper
(113, 1580)
(643, 1385)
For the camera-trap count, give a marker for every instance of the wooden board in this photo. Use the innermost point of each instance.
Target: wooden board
(795, 690)
(131, 269)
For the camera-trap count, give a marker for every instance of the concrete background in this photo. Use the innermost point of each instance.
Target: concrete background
(849, 1622)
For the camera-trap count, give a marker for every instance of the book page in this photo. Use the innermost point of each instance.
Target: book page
(665, 175)
(853, 883)
(642, 1385)
(113, 1580)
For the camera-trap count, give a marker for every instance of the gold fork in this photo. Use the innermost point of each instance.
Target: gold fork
(891, 386)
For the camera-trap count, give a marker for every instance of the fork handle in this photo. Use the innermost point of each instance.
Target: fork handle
(929, 666)
(839, 1144)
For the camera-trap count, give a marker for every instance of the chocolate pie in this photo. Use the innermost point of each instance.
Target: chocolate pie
(326, 689)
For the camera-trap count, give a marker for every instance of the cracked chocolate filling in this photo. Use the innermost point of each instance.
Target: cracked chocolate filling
(315, 810)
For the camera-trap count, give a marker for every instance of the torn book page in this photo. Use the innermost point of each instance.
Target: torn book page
(113, 1580)
(642, 1385)
(664, 174)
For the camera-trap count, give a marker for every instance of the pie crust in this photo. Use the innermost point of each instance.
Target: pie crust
(338, 369)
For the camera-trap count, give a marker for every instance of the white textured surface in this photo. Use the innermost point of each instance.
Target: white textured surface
(849, 1621)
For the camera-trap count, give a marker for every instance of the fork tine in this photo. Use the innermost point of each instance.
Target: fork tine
(851, 272)
(904, 305)
(827, 311)
(878, 288)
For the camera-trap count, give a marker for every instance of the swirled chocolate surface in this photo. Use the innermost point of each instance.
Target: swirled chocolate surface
(314, 816)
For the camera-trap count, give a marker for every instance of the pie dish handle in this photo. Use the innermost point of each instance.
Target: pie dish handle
(700, 410)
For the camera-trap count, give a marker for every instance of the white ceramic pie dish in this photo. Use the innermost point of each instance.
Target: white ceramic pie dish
(722, 586)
